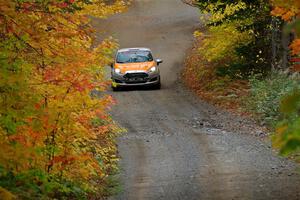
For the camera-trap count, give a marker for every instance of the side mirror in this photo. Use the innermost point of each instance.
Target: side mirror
(158, 61)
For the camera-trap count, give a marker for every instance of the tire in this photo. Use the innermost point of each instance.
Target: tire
(157, 86)
(115, 88)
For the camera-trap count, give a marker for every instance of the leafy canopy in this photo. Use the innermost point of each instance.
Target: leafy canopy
(54, 135)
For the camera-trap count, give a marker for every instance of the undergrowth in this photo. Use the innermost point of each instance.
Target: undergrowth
(266, 94)
(224, 91)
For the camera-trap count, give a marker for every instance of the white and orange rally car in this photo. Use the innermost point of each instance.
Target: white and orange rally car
(135, 67)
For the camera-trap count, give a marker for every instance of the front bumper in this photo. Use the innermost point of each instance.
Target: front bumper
(135, 79)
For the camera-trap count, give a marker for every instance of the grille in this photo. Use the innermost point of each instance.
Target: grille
(136, 77)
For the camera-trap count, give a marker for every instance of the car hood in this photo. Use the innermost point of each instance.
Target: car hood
(144, 66)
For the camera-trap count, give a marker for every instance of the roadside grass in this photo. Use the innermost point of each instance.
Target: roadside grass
(266, 94)
(113, 184)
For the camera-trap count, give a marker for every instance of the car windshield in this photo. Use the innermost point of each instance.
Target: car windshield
(134, 56)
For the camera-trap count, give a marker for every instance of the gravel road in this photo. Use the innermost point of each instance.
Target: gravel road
(177, 146)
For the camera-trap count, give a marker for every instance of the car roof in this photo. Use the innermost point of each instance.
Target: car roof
(136, 48)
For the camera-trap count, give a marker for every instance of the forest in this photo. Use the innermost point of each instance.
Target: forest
(56, 140)
(250, 51)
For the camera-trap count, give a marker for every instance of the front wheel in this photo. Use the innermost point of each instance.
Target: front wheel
(115, 88)
(157, 86)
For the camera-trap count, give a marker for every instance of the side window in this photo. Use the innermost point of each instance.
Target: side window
(150, 57)
(122, 58)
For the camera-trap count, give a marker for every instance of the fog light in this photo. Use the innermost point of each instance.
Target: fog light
(118, 71)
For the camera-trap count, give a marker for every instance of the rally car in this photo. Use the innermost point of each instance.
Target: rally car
(135, 67)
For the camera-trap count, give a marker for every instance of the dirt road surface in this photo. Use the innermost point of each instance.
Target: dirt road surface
(178, 147)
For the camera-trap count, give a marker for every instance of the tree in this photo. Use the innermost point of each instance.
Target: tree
(235, 29)
(55, 136)
(287, 136)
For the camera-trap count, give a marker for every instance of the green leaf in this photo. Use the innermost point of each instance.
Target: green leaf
(290, 104)
(291, 146)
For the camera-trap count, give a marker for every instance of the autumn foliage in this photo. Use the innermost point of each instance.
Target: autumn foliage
(289, 11)
(55, 137)
(242, 61)
(287, 134)
(220, 62)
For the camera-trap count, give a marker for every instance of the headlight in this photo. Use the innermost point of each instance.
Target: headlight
(153, 69)
(118, 71)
